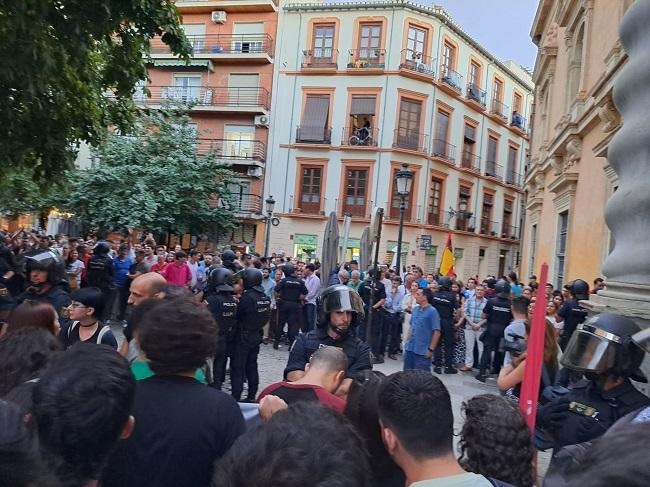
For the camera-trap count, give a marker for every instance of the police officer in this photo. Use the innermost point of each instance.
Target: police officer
(46, 274)
(101, 270)
(252, 314)
(602, 349)
(223, 306)
(339, 312)
(446, 304)
(289, 293)
(571, 311)
(498, 315)
(376, 317)
(229, 261)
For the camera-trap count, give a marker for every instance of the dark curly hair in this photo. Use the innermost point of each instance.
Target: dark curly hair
(495, 440)
(177, 335)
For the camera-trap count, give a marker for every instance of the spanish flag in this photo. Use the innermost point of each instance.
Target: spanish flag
(447, 262)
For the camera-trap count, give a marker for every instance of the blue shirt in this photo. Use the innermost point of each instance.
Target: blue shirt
(424, 321)
(122, 270)
(422, 283)
(395, 302)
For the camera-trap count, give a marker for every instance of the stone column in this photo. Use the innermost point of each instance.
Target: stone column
(627, 213)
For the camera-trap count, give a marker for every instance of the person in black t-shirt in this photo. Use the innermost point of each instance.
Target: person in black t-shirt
(182, 426)
(498, 315)
(379, 298)
(84, 326)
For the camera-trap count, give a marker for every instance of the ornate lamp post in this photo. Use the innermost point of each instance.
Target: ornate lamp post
(270, 204)
(403, 179)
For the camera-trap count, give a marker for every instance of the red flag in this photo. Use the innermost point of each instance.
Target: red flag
(447, 261)
(534, 357)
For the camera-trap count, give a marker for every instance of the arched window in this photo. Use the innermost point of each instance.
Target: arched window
(575, 65)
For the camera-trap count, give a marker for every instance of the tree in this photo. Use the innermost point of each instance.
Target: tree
(20, 194)
(154, 179)
(62, 58)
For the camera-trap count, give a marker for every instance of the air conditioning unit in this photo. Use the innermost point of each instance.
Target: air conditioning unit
(219, 17)
(262, 121)
(254, 171)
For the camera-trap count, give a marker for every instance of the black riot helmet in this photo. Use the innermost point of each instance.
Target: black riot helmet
(642, 339)
(579, 289)
(252, 279)
(102, 248)
(603, 345)
(46, 260)
(339, 298)
(219, 279)
(288, 269)
(445, 283)
(228, 256)
(502, 289)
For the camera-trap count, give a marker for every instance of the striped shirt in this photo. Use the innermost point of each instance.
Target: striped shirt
(474, 308)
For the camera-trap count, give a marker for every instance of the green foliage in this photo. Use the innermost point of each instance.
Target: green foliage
(19, 194)
(153, 179)
(61, 57)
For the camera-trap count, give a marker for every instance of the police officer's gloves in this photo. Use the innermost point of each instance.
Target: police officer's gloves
(588, 429)
(553, 415)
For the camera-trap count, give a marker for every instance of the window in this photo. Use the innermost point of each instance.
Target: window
(396, 200)
(508, 230)
(415, 42)
(408, 135)
(356, 181)
(486, 214)
(243, 89)
(310, 189)
(196, 35)
(440, 146)
(491, 161)
(464, 194)
(532, 248)
(323, 43)
(474, 77)
(560, 248)
(516, 103)
(497, 91)
(511, 175)
(435, 202)
(187, 88)
(469, 142)
(315, 118)
(362, 119)
(448, 56)
(239, 141)
(369, 41)
(247, 37)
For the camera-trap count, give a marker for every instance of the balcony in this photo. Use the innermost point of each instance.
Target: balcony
(518, 122)
(208, 98)
(320, 58)
(513, 178)
(363, 137)
(244, 204)
(355, 206)
(510, 231)
(409, 140)
(244, 48)
(207, 6)
(494, 170)
(465, 223)
(470, 161)
(435, 217)
(417, 64)
(499, 111)
(236, 151)
(488, 227)
(475, 94)
(442, 150)
(450, 78)
(367, 58)
(313, 135)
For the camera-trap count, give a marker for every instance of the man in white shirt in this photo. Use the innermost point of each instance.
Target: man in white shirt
(312, 283)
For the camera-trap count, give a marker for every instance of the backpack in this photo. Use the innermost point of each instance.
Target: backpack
(102, 331)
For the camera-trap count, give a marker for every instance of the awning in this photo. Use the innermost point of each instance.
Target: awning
(180, 63)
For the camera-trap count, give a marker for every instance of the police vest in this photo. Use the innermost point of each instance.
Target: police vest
(254, 311)
(445, 303)
(290, 289)
(223, 307)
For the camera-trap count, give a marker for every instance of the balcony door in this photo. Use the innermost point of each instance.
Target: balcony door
(239, 141)
(241, 192)
(314, 126)
(196, 35)
(415, 44)
(435, 202)
(247, 37)
(323, 48)
(356, 184)
(187, 88)
(310, 189)
(408, 132)
(243, 89)
(369, 42)
(491, 160)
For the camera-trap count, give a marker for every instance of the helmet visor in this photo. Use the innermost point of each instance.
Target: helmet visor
(591, 349)
(342, 299)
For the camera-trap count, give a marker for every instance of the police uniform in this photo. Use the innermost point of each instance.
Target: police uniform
(586, 412)
(100, 273)
(573, 315)
(357, 351)
(499, 316)
(376, 329)
(446, 304)
(252, 314)
(223, 307)
(55, 296)
(290, 289)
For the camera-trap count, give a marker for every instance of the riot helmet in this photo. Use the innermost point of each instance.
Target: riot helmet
(48, 261)
(642, 339)
(219, 279)
(339, 298)
(228, 256)
(445, 283)
(288, 269)
(102, 248)
(603, 346)
(579, 289)
(502, 289)
(252, 279)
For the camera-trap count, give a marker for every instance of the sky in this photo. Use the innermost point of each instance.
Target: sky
(500, 26)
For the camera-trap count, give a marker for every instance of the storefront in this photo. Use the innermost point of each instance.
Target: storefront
(304, 246)
(352, 251)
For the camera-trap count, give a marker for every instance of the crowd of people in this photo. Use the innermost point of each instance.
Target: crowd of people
(112, 370)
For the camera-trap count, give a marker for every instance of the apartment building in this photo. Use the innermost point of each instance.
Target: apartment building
(569, 179)
(362, 89)
(229, 82)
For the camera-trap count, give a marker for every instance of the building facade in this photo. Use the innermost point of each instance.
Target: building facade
(364, 88)
(229, 82)
(569, 179)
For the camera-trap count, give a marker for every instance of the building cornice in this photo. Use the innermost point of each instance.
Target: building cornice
(436, 12)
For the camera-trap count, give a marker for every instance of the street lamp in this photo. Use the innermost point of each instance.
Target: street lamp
(270, 204)
(403, 180)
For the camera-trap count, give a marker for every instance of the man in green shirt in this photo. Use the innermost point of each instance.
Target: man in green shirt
(418, 427)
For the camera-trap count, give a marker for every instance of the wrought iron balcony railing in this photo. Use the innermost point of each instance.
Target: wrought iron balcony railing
(418, 63)
(443, 150)
(217, 44)
(367, 58)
